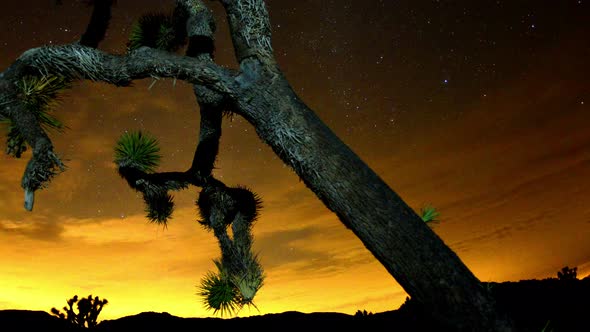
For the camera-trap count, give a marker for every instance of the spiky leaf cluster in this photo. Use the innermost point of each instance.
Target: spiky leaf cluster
(218, 292)
(137, 150)
(156, 30)
(159, 207)
(228, 290)
(248, 278)
(39, 95)
(223, 204)
(243, 201)
(429, 214)
(248, 202)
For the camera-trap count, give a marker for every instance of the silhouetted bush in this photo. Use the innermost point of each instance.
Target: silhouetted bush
(88, 310)
(568, 274)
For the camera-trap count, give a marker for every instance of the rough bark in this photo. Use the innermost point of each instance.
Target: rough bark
(431, 273)
(427, 269)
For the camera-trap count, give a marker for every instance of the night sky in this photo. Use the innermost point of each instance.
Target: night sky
(480, 108)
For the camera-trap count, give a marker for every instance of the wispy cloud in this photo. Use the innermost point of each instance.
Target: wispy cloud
(35, 228)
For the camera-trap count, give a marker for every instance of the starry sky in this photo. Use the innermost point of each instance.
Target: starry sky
(479, 108)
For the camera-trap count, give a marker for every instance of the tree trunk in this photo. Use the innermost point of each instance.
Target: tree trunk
(428, 270)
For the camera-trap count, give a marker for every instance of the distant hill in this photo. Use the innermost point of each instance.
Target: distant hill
(26, 320)
(562, 304)
(565, 304)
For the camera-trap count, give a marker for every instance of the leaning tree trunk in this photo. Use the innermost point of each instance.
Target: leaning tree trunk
(427, 269)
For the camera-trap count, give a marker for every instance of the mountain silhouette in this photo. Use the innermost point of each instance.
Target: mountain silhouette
(535, 305)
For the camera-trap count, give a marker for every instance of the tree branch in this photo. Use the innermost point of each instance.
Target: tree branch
(98, 25)
(44, 163)
(250, 29)
(82, 62)
(212, 102)
(76, 61)
(200, 27)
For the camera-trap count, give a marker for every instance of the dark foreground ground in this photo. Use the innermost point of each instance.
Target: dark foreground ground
(536, 305)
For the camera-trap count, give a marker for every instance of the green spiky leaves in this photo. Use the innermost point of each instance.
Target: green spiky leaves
(157, 30)
(218, 292)
(429, 214)
(39, 94)
(240, 200)
(137, 150)
(248, 279)
(229, 290)
(159, 206)
(248, 202)
(136, 155)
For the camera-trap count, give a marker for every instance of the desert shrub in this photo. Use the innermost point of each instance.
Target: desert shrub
(567, 273)
(88, 310)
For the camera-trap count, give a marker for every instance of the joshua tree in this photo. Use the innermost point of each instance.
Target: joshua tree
(88, 310)
(427, 269)
(568, 273)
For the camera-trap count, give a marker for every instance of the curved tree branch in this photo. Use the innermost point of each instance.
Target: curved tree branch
(155, 186)
(81, 62)
(77, 61)
(44, 163)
